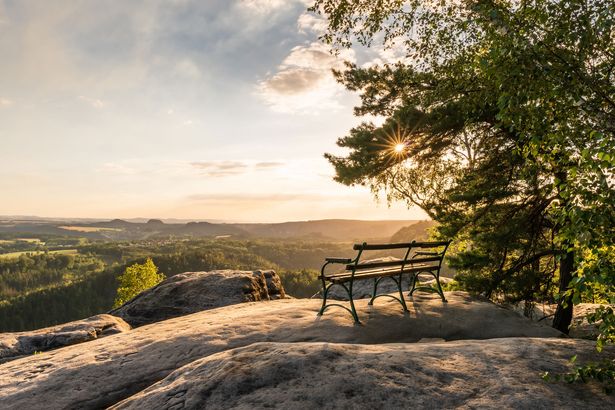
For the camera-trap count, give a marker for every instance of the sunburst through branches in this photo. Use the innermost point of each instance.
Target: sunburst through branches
(394, 143)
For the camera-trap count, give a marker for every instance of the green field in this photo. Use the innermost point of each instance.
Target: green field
(29, 240)
(18, 254)
(89, 229)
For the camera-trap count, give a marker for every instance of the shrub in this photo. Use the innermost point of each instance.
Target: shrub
(135, 279)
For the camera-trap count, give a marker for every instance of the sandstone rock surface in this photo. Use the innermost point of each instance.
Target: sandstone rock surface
(27, 343)
(495, 373)
(579, 328)
(105, 371)
(191, 292)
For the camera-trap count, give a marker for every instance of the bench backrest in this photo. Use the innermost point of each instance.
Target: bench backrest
(427, 253)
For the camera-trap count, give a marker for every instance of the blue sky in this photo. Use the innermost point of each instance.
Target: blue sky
(188, 109)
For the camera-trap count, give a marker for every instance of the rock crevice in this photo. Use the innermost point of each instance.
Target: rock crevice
(13, 345)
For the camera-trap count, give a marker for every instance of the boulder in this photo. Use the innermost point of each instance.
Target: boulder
(191, 292)
(579, 328)
(103, 372)
(13, 345)
(275, 289)
(495, 374)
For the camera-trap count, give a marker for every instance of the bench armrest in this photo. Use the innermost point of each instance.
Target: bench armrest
(338, 260)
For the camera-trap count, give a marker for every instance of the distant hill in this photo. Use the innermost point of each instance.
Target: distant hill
(118, 229)
(337, 229)
(415, 232)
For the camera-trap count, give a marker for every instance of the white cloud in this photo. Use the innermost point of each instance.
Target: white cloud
(94, 102)
(263, 6)
(117, 168)
(194, 170)
(304, 82)
(309, 23)
(268, 165)
(293, 81)
(230, 168)
(387, 55)
(234, 198)
(3, 15)
(187, 68)
(80, 54)
(220, 168)
(258, 15)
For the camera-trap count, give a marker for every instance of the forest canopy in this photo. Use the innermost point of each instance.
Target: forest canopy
(42, 289)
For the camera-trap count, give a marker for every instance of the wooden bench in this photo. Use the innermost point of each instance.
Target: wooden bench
(420, 258)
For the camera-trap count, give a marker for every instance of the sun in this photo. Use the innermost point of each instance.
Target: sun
(394, 143)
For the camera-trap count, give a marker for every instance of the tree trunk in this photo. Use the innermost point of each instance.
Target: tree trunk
(563, 315)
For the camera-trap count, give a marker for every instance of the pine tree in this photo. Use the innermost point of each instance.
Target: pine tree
(500, 125)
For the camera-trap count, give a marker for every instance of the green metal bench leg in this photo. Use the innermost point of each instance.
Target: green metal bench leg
(354, 313)
(437, 290)
(353, 310)
(324, 299)
(400, 299)
(325, 289)
(374, 293)
(401, 293)
(414, 277)
(440, 292)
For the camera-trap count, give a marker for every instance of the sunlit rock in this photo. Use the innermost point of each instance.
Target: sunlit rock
(17, 344)
(191, 292)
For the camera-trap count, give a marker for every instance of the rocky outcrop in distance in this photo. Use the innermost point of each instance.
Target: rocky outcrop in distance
(192, 292)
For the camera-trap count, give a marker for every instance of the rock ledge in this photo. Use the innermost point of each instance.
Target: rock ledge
(192, 292)
(13, 345)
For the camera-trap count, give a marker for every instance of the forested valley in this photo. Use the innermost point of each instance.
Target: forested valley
(42, 285)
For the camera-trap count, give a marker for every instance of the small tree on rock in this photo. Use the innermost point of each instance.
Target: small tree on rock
(136, 279)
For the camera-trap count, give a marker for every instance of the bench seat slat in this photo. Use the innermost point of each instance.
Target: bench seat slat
(426, 253)
(426, 259)
(374, 273)
(370, 265)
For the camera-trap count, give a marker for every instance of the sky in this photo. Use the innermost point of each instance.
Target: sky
(216, 109)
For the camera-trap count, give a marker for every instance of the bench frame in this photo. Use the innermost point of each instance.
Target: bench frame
(418, 264)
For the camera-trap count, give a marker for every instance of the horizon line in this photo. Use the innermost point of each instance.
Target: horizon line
(188, 220)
